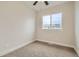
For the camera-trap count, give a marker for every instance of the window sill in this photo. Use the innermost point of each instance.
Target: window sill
(52, 28)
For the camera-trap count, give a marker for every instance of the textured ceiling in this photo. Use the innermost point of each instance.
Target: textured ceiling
(41, 5)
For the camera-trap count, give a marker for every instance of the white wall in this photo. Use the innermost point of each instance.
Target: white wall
(77, 25)
(65, 36)
(16, 25)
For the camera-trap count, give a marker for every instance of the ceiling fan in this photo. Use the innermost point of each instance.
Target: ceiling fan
(46, 2)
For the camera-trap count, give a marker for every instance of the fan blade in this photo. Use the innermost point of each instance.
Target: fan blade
(35, 2)
(46, 2)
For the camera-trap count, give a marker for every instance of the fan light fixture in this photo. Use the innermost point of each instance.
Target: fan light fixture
(46, 2)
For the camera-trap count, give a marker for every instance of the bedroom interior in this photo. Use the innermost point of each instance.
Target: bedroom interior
(39, 29)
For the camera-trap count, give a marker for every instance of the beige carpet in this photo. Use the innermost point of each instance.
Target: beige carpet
(38, 49)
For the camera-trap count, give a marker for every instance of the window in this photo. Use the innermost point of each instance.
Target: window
(53, 21)
(46, 22)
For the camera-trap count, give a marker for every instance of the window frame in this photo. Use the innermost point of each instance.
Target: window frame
(42, 23)
(51, 21)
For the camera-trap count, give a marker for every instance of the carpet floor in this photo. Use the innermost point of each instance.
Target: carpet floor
(39, 49)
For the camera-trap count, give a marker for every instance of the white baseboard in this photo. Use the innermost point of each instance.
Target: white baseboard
(49, 42)
(15, 48)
